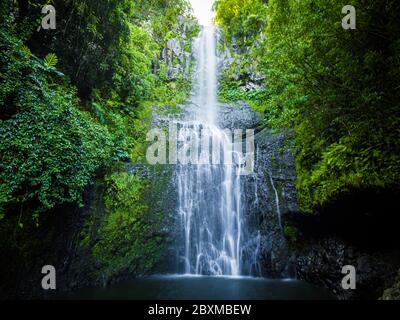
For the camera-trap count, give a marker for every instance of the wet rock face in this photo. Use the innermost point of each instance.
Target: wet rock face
(237, 115)
(269, 193)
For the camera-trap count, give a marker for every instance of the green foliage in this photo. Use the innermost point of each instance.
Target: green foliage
(241, 19)
(340, 95)
(124, 230)
(231, 91)
(291, 233)
(243, 23)
(337, 88)
(76, 102)
(107, 51)
(49, 149)
(50, 60)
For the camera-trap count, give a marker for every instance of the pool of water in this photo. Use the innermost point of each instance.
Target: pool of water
(204, 288)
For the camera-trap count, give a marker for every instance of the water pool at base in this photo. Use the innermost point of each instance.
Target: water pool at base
(204, 288)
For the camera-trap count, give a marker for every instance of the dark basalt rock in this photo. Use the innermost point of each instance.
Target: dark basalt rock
(237, 115)
(321, 262)
(358, 229)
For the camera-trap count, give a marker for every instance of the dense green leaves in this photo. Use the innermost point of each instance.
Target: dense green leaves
(76, 98)
(76, 103)
(49, 149)
(339, 89)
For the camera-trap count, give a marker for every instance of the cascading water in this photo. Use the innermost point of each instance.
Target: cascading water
(210, 203)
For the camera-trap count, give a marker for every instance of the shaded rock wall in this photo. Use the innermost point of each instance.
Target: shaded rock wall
(320, 262)
(358, 229)
(272, 186)
(268, 194)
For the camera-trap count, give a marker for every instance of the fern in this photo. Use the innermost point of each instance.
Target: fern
(50, 60)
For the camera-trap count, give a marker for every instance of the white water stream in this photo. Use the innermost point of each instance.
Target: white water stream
(210, 201)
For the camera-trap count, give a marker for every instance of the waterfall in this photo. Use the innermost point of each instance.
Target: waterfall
(278, 210)
(209, 193)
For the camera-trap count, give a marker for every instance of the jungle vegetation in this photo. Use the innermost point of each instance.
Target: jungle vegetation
(337, 90)
(75, 106)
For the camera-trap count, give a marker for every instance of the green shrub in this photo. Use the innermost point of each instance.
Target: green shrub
(49, 149)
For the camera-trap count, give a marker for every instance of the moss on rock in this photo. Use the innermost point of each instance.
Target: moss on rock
(392, 293)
